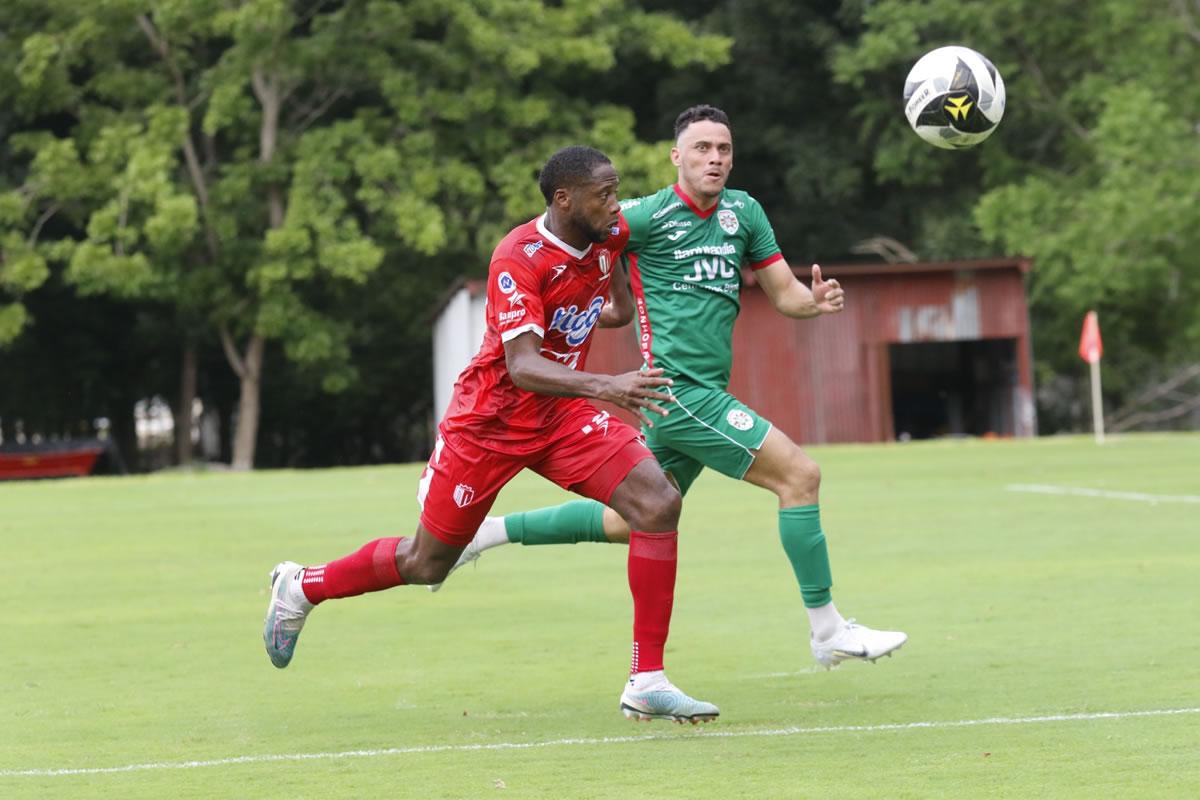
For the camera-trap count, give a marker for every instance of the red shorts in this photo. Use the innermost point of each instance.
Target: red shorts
(588, 452)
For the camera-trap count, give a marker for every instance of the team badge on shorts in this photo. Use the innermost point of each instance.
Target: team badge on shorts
(463, 495)
(739, 419)
(728, 221)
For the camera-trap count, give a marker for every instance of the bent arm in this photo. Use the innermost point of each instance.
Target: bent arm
(636, 392)
(532, 372)
(618, 311)
(789, 296)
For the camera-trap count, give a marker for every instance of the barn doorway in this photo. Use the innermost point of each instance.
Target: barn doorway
(963, 388)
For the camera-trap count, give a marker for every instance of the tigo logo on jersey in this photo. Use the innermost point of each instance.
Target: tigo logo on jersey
(506, 283)
(463, 495)
(533, 247)
(739, 419)
(728, 221)
(577, 324)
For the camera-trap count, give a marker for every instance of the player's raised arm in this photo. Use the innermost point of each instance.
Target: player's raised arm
(792, 298)
(636, 392)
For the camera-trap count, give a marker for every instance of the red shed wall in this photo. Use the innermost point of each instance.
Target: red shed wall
(827, 380)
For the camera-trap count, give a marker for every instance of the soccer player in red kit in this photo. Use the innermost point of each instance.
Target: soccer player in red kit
(519, 405)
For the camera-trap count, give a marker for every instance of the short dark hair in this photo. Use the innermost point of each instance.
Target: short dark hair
(569, 167)
(698, 114)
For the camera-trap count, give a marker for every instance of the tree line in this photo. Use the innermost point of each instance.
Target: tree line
(259, 202)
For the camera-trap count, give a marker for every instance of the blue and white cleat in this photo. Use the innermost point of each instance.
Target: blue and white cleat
(665, 701)
(854, 641)
(286, 613)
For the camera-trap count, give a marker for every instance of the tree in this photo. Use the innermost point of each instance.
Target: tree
(246, 161)
(1094, 172)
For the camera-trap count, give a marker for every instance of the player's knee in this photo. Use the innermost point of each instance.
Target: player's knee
(657, 509)
(804, 474)
(426, 571)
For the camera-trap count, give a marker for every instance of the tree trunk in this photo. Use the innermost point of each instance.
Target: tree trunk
(183, 412)
(124, 432)
(246, 437)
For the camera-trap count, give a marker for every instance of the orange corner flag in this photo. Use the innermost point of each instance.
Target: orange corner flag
(1090, 346)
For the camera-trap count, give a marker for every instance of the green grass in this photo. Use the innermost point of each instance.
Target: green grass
(132, 611)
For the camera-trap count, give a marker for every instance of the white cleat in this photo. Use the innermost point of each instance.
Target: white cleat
(665, 701)
(854, 641)
(285, 614)
(470, 553)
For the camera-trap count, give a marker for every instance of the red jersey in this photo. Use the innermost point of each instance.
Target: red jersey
(539, 283)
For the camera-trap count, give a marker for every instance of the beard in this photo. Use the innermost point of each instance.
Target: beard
(594, 235)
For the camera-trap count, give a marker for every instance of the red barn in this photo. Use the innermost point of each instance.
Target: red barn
(921, 350)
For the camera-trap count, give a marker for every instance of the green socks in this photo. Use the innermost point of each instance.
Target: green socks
(804, 543)
(583, 521)
(577, 521)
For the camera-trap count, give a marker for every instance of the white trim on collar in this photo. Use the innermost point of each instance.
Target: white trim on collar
(559, 243)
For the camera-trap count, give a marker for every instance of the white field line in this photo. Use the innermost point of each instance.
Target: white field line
(706, 734)
(1039, 488)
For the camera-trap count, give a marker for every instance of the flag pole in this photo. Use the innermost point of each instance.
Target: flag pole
(1097, 409)
(1091, 349)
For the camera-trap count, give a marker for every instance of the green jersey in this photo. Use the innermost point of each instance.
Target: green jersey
(685, 271)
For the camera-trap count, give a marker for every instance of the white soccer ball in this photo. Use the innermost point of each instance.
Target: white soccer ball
(953, 97)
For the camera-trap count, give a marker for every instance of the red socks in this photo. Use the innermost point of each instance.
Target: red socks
(369, 569)
(652, 561)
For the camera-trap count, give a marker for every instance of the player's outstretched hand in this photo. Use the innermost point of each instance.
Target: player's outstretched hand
(827, 294)
(638, 392)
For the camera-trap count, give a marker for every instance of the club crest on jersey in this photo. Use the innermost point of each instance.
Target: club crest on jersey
(739, 419)
(463, 495)
(505, 283)
(728, 221)
(605, 265)
(577, 324)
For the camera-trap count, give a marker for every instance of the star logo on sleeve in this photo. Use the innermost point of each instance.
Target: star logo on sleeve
(516, 299)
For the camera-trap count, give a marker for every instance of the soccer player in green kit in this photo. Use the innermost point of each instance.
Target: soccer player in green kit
(687, 245)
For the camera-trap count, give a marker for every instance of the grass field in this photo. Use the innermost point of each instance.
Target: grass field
(132, 662)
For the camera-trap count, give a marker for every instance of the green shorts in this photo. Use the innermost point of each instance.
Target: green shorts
(705, 428)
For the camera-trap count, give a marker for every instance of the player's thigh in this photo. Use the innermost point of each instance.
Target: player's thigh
(781, 466)
(711, 427)
(459, 486)
(590, 452)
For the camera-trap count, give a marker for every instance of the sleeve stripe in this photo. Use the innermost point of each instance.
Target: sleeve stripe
(515, 332)
(766, 262)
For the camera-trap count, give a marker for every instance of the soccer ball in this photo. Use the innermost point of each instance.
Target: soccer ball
(953, 97)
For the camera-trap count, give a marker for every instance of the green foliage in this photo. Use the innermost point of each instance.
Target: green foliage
(1094, 171)
(251, 165)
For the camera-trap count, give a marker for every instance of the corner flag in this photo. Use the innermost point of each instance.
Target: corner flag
(1090, 350)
